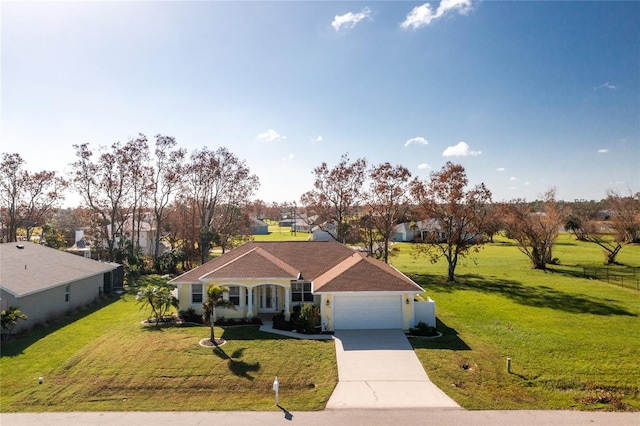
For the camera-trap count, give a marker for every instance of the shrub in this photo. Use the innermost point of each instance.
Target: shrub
(308, 319)
(279, 323)
(422, 329)
(190, 315)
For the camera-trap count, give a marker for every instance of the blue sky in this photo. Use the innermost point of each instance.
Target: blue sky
(525, 95)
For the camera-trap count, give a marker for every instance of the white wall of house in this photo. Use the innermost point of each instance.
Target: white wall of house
(425, 311)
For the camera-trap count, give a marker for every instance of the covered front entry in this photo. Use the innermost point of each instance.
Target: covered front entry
(367, 311)
(268, 298)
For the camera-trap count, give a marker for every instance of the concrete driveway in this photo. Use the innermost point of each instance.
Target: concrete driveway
(379, 369)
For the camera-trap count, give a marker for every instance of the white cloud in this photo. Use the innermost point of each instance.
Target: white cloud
(270, 136)
(350, 19)
(501, 169)
(423, 15)
(527, 183)
(424, 166)
(513, 178)
(460, 150)
(318, 139)
(417, 140)
(288, 157)
(607, 85)
(603, 151)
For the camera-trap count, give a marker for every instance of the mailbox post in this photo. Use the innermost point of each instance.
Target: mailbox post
(276, 385)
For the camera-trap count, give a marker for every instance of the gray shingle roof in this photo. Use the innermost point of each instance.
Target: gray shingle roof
(35, 268)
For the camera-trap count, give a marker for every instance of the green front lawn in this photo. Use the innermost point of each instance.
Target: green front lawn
(108, 361)
(574, 343)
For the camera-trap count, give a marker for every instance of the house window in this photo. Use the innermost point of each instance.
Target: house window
(301, 292)
(234, 295)
(67, 290)
(196, 293)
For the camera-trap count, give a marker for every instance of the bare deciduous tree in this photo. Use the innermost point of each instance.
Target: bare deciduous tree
(27, 198)
(622, 226)
(166, 181)
(214, 179)
(141, 175)
(104, 185)
(336, 195)
(535, 231)
(459, 215)
(624, 214)
(388, 200)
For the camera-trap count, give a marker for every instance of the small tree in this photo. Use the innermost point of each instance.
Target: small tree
(625, 216)
(458, 214)
(9, 319)
(215, 299)
(336, 195)
(387, 200)
(535, 231)
(622, 226)
(158, 298)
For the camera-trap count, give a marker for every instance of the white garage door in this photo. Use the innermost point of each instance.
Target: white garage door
(367, 311)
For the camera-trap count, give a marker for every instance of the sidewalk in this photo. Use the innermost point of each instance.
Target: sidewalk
(367, 417)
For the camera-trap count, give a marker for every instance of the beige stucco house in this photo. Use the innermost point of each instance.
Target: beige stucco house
(353, 290)
(44, 282)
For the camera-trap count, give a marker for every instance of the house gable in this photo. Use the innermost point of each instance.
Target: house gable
(362, 273)
(255, 263)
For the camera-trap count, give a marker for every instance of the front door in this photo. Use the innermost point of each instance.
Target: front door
(268, 298)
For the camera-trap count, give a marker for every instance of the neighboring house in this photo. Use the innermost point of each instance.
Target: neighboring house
(352, 290)
(81, 247)
(301, 225)
(258, 227)
(44, 282)
(421, 230)
(405, 231)
(145, 230)
(325, 233)
(290, 220)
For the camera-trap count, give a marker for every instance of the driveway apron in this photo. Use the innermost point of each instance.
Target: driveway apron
(379, 369)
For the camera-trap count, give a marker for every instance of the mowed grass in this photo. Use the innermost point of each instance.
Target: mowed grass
(108, 361)
(574, 343)
(282, 233)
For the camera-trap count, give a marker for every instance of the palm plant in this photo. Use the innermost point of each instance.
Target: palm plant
(10, 317)
(215, 300)
(158, 298)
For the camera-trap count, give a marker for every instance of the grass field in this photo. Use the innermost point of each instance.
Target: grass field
(108, 361)
(282, 233)
(574, 343)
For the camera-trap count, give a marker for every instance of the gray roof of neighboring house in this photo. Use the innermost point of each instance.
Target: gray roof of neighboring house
(35, 268)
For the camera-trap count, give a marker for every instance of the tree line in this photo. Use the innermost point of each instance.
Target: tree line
(204, 199)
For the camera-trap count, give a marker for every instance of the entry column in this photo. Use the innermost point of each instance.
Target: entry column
(287, 297)
(249, 302)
